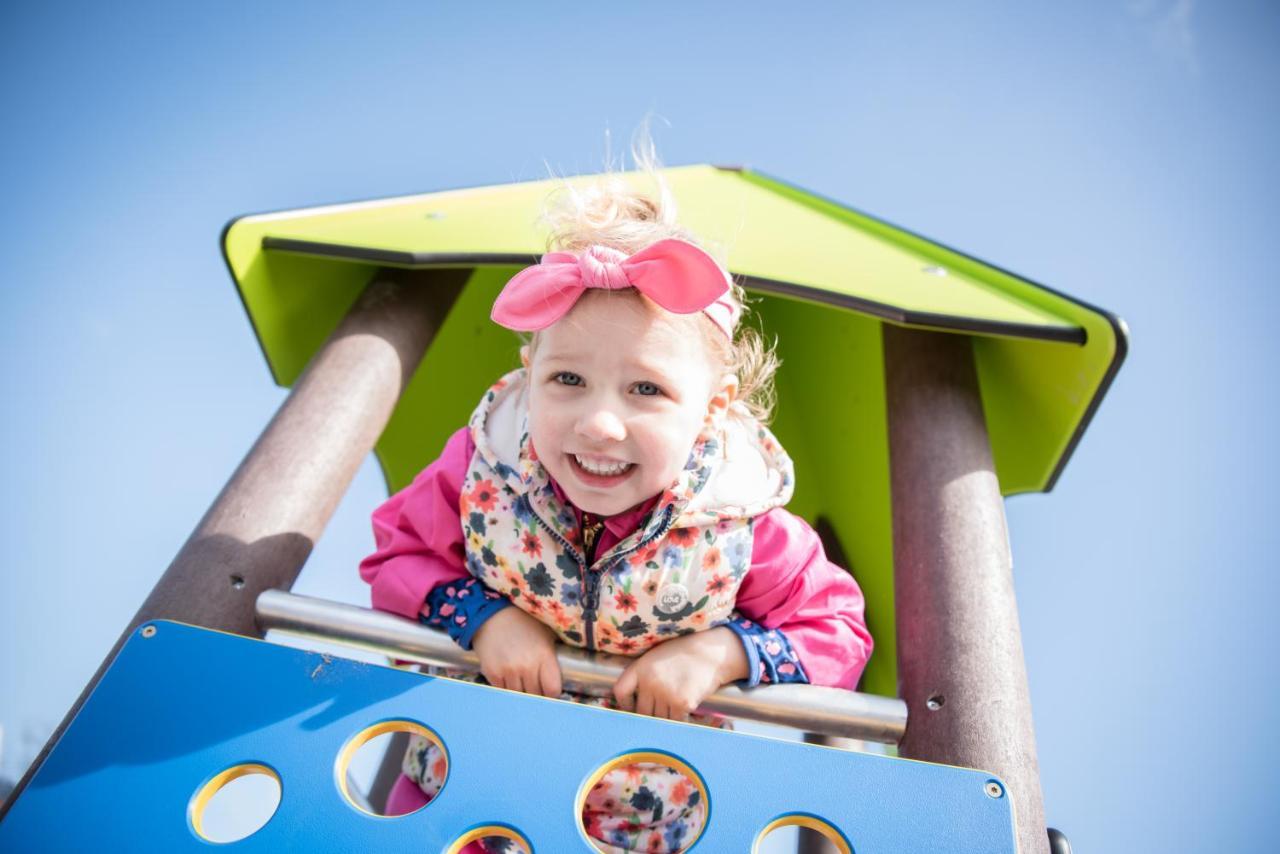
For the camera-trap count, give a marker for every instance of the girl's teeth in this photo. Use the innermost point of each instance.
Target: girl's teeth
(602, 468)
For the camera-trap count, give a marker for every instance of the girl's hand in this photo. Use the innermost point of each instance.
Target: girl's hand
(673, 678)
(518, 652)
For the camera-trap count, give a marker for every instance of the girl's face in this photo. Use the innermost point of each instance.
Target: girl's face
(618, 391)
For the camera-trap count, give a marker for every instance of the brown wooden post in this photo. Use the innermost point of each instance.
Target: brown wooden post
(262, 526)
(960, 664)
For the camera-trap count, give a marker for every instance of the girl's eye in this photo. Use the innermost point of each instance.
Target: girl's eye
(647, 389)
(568, 378)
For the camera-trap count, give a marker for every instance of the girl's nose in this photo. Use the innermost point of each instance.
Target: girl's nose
(602, 424)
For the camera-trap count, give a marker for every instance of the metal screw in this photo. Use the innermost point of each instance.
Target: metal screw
(935, 702)
(148, 631)
(934, 270)
(994, 789)
(237, 581)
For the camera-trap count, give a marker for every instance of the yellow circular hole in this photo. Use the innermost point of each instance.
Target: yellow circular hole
(492, 833)
(367, 749)
(690, 792)
(811, 832)
(235, 803)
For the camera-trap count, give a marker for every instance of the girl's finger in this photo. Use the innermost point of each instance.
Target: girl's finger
(549, 677)
(624, 690)
(644, 701)
(514, 682)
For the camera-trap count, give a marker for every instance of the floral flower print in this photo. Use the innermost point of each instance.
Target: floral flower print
(711, 559)
(522, 509)
(675, 835)
(485, 495)
(633, 627)
(738, 552)
(568, 567)
(540, 581)
(625, 601)
(683, 537)
(644, 799)
(644, 554)
(571, 594)
(530, 544)
(514, 581)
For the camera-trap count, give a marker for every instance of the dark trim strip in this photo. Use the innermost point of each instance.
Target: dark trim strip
(1069, 335)
(393, 257)
(1118, 327)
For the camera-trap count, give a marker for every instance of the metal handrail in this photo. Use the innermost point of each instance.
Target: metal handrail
(810, 708)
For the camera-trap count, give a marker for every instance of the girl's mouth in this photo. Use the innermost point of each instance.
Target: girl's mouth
(597, 472)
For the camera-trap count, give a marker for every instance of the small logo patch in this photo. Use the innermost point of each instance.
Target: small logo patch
(673, 597)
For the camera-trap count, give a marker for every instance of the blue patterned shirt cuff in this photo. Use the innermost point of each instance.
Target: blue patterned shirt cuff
(461, 607)
(770, 657)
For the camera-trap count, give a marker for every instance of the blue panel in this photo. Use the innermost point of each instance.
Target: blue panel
(176, 708)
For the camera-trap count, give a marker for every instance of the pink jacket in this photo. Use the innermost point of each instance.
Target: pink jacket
(791, 587)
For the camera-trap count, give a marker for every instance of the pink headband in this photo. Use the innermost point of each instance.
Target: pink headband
(676, 275)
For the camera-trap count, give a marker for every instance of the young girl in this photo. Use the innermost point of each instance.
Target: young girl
(621, 493)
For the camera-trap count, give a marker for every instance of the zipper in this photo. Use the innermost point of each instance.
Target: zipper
(590, 577)
(591, 597)
(591, 526)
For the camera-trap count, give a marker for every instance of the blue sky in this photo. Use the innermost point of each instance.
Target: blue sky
(1122, 152)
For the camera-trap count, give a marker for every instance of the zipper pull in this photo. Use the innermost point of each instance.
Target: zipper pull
(591, 526)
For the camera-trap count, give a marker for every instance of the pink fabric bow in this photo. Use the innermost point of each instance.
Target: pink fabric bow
(676, 275)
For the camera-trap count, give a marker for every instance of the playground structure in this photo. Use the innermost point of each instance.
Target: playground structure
(919, 386)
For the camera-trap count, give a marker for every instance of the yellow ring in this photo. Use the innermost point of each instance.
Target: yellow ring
(657, 758)
(486, 832)
(211, 788)
(366, 735)
(811, 822)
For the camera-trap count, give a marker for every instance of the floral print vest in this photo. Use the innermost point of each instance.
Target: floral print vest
(679, 572)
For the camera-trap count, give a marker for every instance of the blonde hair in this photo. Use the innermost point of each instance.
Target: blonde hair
(608, 211)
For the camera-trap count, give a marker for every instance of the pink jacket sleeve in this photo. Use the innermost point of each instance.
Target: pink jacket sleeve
(418, 534)
(817, 605)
